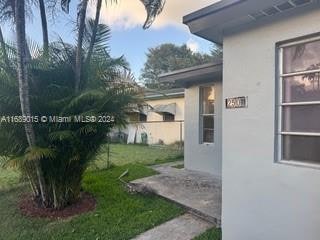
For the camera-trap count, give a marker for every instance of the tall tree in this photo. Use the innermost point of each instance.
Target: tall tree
(44, 24)
(152, 7)
(24, 96)
(166, 58)
(23, 68)
(94, 31)
(81, 29)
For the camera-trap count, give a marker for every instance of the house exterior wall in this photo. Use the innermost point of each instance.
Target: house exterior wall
(263, 200)
(156, 129)
(197, 156)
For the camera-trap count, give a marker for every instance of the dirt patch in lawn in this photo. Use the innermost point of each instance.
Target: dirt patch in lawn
(29, 207)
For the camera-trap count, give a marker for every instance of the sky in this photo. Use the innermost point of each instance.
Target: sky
(127, 36)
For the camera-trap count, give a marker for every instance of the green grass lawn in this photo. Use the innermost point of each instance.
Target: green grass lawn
(118, 216)
(121, 154)
(212, 234)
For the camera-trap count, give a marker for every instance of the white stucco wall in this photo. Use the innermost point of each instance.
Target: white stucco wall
(158, 130)
(263, 200)
(166, 132)
(202, 157)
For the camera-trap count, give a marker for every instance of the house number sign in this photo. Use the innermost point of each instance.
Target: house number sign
(237, 102)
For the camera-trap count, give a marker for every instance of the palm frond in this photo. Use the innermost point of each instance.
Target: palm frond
(65, 5)
(102, 39)
(83, 101)
(7, 162)
(153, 8)
(38, 153)
(7, 10)
(66, 135)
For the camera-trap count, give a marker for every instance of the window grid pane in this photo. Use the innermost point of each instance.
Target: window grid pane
(208, 129)
(301, 88)
(299, 106)
(295, 120)
(207, 99)
(301, 148)
(301, 57)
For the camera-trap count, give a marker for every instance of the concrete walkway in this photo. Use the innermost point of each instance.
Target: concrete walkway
(185, 227)
(199, 192)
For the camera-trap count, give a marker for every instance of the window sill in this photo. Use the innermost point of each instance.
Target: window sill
(207, 144)
(299, 164)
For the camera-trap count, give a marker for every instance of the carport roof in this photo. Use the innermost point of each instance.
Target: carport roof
(151, 94)
(195, 75)
(226, 16)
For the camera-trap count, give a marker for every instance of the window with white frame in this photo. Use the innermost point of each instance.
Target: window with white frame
(299, 102)
(207, 112)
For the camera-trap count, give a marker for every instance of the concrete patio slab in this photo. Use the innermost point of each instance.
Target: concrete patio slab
(185, 227)
(199, 192)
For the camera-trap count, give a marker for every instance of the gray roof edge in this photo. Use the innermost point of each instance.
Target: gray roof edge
(216, 20)
(216, 7)
(163, 94)
(191, 69)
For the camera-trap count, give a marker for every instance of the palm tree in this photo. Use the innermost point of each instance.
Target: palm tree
(44, 23)
(23, 68)
(81, 29)
(95, 28)
(153, 9)
(24, 96)
(65, 150)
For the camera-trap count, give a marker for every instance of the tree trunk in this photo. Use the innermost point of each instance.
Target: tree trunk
(24, 85)
(81, 29)
(94, 32)
(44, 26)
(4, 52)
(22, 69)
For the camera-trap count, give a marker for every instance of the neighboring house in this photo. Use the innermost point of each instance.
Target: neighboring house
(265, 119)
(161, 121)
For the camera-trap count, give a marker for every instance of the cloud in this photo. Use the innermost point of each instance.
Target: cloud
(193, 45)
(128, 14)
